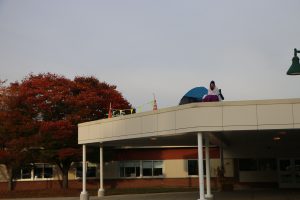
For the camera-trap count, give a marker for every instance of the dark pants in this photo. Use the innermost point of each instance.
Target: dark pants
(210, 98)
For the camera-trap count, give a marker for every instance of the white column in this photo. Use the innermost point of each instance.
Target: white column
(101, 189)
(84, 195)
(207, 164)
(200, 167)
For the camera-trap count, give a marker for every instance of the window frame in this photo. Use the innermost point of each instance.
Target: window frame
(79, 164)
(193, 175)
(162, 168)
(31, 168)
(152, 169)
(141, 169)
(260, 162)
(135, 167)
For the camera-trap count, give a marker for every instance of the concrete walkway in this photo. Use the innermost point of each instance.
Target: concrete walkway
(234, 195)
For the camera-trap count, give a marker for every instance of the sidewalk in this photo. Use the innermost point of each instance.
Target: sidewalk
(233, 195)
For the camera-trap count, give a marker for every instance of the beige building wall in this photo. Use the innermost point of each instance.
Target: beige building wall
(228, 167)
(179, 168)
(175, 168)
(72, 173)
(3, 173)
(214, 165)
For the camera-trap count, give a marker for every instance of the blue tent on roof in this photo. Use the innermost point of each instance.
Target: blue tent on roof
(194, 95)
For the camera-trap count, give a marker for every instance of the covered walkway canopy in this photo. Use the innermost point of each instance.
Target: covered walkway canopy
(187, 125)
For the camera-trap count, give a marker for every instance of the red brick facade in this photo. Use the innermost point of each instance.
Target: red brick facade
(128, 154)
(156, 182)
(163, 154)
(113, 183)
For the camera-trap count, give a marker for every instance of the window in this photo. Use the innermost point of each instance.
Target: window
(36, 171)
(265, 164)
(24, 173)
(157, 168)
(42, 171)
(91, 170)
(48, 171)
(285, 165)
(149, 168)
(297, 165)
(130, 169)
(193, 167)
(152, 168)
(248, 165)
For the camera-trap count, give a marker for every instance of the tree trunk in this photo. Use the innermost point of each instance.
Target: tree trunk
(65, 179)
(10, 179)
(64, 168)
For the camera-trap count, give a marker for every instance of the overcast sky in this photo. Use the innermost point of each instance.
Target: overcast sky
(164, 47)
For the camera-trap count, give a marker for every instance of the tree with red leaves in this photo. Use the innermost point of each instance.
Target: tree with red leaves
(57, 104)
(17, 131)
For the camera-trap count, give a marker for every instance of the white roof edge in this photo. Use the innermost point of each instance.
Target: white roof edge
(195, 105)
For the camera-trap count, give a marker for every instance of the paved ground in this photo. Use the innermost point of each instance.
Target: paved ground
(235, 195)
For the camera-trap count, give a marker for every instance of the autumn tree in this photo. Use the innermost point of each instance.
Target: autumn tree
(17, 131)
(57, 105)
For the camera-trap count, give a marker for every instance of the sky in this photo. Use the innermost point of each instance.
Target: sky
(165, 47)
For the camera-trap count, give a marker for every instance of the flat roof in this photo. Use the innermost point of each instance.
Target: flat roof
(280, 114)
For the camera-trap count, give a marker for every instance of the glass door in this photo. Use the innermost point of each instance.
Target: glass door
(297, 172)
(289, 173)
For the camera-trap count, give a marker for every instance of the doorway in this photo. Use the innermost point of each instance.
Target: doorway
(289, 173)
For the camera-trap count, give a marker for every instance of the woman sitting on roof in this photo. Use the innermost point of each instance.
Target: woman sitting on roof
(214, 94)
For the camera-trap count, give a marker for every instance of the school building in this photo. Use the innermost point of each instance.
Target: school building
(255, 142)
(235, 145)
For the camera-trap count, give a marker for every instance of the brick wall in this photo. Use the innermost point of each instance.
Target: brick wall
(112, 183)
(162, 154)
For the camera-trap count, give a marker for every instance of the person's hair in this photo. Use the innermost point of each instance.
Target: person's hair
(212, 82)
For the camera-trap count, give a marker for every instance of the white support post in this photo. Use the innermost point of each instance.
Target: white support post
(84, 194)
(101, 189)
(200, 167)
(207, 164)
